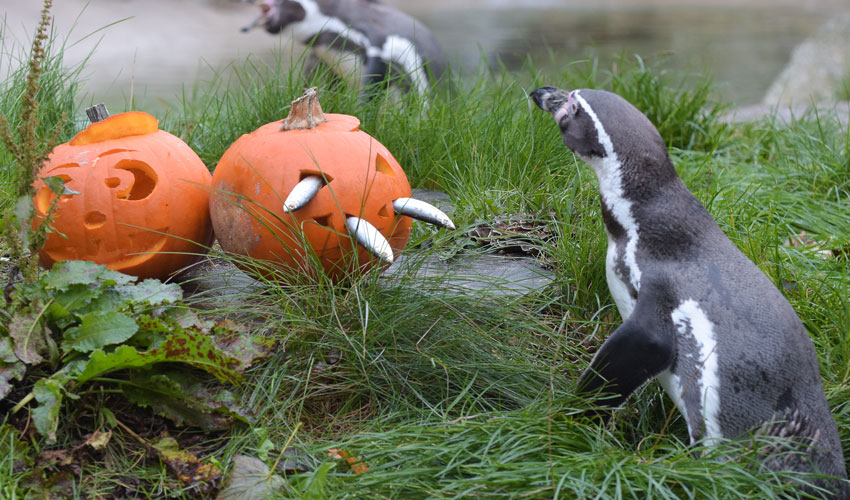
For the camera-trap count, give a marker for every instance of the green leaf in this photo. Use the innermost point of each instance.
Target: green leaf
(76, 297)
(124, 356)
(109, 300)
(152, 291)
(198, 350)
(234, 339)
(109, 417)
(195, 348)
(100, 329)
(9, 371)
(181, 398)
(57, 186)
(251, 479)
(29, 338)
(48, 393)
(7, 353)
(315, 489)
(71, 272)
(10, 367)
(185, 346)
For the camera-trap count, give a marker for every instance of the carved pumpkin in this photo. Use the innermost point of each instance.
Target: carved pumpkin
(356, 177)
(143, 200)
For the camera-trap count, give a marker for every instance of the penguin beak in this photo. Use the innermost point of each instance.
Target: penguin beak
(560, 103)
(550, 99)
(265, 10)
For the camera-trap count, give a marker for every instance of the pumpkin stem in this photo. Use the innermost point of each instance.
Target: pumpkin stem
(97, 113)
(305, 112)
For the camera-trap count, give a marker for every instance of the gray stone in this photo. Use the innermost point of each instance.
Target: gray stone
(216, 283)
(786, 115)
(817, 68)
(489, 273)
(437, 198)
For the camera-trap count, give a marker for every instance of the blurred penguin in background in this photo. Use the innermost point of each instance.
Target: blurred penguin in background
(362, 40)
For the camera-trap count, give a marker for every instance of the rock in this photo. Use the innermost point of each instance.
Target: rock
(817, 69)
(437, 198)
(488, 273)
(788, 114)
(216, 283)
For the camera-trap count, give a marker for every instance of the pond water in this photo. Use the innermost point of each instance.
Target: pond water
(166, 45)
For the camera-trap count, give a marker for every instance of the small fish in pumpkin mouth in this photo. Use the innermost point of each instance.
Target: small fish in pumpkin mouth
(364, 232)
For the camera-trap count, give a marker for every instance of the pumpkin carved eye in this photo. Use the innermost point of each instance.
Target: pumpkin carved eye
(383, 166)
(143, 182)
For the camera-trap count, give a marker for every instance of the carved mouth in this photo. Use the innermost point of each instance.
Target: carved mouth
(132, 260)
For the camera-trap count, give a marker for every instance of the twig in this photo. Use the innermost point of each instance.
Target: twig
(129, 431)
(29, 397)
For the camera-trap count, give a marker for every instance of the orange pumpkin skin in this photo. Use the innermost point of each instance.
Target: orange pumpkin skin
(258, 171)
(143, 200)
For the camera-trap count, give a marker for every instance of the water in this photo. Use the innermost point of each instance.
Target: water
(743, 48)
(168, 45)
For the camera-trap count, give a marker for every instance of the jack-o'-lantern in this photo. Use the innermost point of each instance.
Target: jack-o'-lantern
(314, 185)
(141, 199)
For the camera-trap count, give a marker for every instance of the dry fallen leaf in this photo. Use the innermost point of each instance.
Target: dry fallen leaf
(357, 466)
(58, 457)
(186, 466)
(98, 440)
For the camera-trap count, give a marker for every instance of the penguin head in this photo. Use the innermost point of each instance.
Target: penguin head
(596, 124)
(576, 125)
(278, 14)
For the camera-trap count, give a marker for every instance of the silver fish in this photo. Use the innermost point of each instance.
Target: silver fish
(423, 211)
(370, 238)
(302, 193)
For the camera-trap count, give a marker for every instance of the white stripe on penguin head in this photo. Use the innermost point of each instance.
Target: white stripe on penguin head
(609, 171)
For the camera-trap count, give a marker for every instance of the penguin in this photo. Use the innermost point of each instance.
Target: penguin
(388, 43)
(698, 315)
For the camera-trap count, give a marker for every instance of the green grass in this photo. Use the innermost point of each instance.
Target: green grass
(446, 394)
(57, 96)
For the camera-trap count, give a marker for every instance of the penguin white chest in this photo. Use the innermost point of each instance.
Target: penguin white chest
(616, 284)
(609, 172)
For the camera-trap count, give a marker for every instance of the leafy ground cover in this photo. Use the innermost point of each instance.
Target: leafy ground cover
(409, 388)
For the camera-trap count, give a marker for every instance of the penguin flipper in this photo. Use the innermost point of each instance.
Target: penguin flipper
(638, 350)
